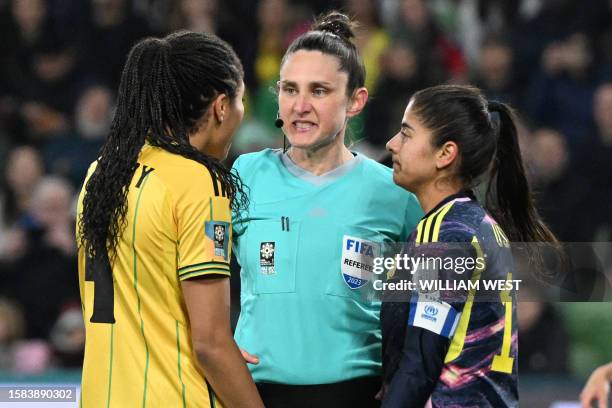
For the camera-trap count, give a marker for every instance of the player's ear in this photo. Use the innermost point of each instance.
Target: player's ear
(446, 155)
(220, 106)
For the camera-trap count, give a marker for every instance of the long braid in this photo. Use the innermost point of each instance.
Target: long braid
(166, 86)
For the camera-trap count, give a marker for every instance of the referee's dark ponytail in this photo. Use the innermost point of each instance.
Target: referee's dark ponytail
(509, 197)
(166, 86)
(462, 114)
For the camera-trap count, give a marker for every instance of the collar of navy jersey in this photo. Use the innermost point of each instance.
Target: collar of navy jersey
(461, 194)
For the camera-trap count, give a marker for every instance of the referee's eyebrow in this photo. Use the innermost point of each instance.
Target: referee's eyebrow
(313, 84)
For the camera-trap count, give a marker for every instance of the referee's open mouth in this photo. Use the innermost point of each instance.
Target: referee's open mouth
(303, 125)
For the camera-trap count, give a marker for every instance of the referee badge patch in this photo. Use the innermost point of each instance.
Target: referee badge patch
(266, 257)
(357, 261)
(218, 231)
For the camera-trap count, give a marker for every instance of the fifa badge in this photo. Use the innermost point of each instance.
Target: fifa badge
(219, 240)
(266, 258)
(218, 232)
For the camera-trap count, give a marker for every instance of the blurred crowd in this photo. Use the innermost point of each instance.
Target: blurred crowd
(60, 64)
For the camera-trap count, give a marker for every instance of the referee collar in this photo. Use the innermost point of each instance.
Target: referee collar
(324, 178)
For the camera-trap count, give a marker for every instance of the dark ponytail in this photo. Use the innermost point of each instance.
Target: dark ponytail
(462, 114)
(166, 86)
(508, 194)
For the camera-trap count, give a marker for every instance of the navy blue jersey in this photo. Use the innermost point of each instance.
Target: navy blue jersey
(454, 343)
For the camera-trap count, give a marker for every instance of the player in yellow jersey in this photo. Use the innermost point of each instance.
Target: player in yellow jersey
(154, 234)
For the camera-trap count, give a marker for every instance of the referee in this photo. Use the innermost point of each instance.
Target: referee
(318, 217)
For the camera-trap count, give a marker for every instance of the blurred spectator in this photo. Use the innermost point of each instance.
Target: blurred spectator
(278, 25)
(51, 208)
(561, 94)
(603, 35)
(603, 120)
(243, 14)
(596, 162)
(402, 74)
(26, 24)
(68, 338)
(111, 32)
(479, 19)
(32, 357)
(16, 354)
(559, 188)
(553, 21)
(23, 171)
(416, 24)
(495, 74)
(42, 279)
(160, 14)
(70, 156)
(275, 23)
(11, 331)
(50, 95)
(94, 113)
(543, 340)
(196, 15)
(219, 17)
(372, 39)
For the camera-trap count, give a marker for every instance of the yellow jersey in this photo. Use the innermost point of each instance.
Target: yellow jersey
(138, 350)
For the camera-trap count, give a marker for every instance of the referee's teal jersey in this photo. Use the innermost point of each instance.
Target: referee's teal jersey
(306, 246)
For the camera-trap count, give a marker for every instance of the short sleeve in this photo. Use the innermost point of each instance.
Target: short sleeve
(204, 229)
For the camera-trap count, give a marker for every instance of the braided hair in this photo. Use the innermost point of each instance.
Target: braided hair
(166, 86)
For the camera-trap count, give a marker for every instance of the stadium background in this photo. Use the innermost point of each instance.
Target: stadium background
(60, 63)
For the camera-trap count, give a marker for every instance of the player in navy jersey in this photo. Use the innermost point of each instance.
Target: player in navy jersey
(456, 345)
